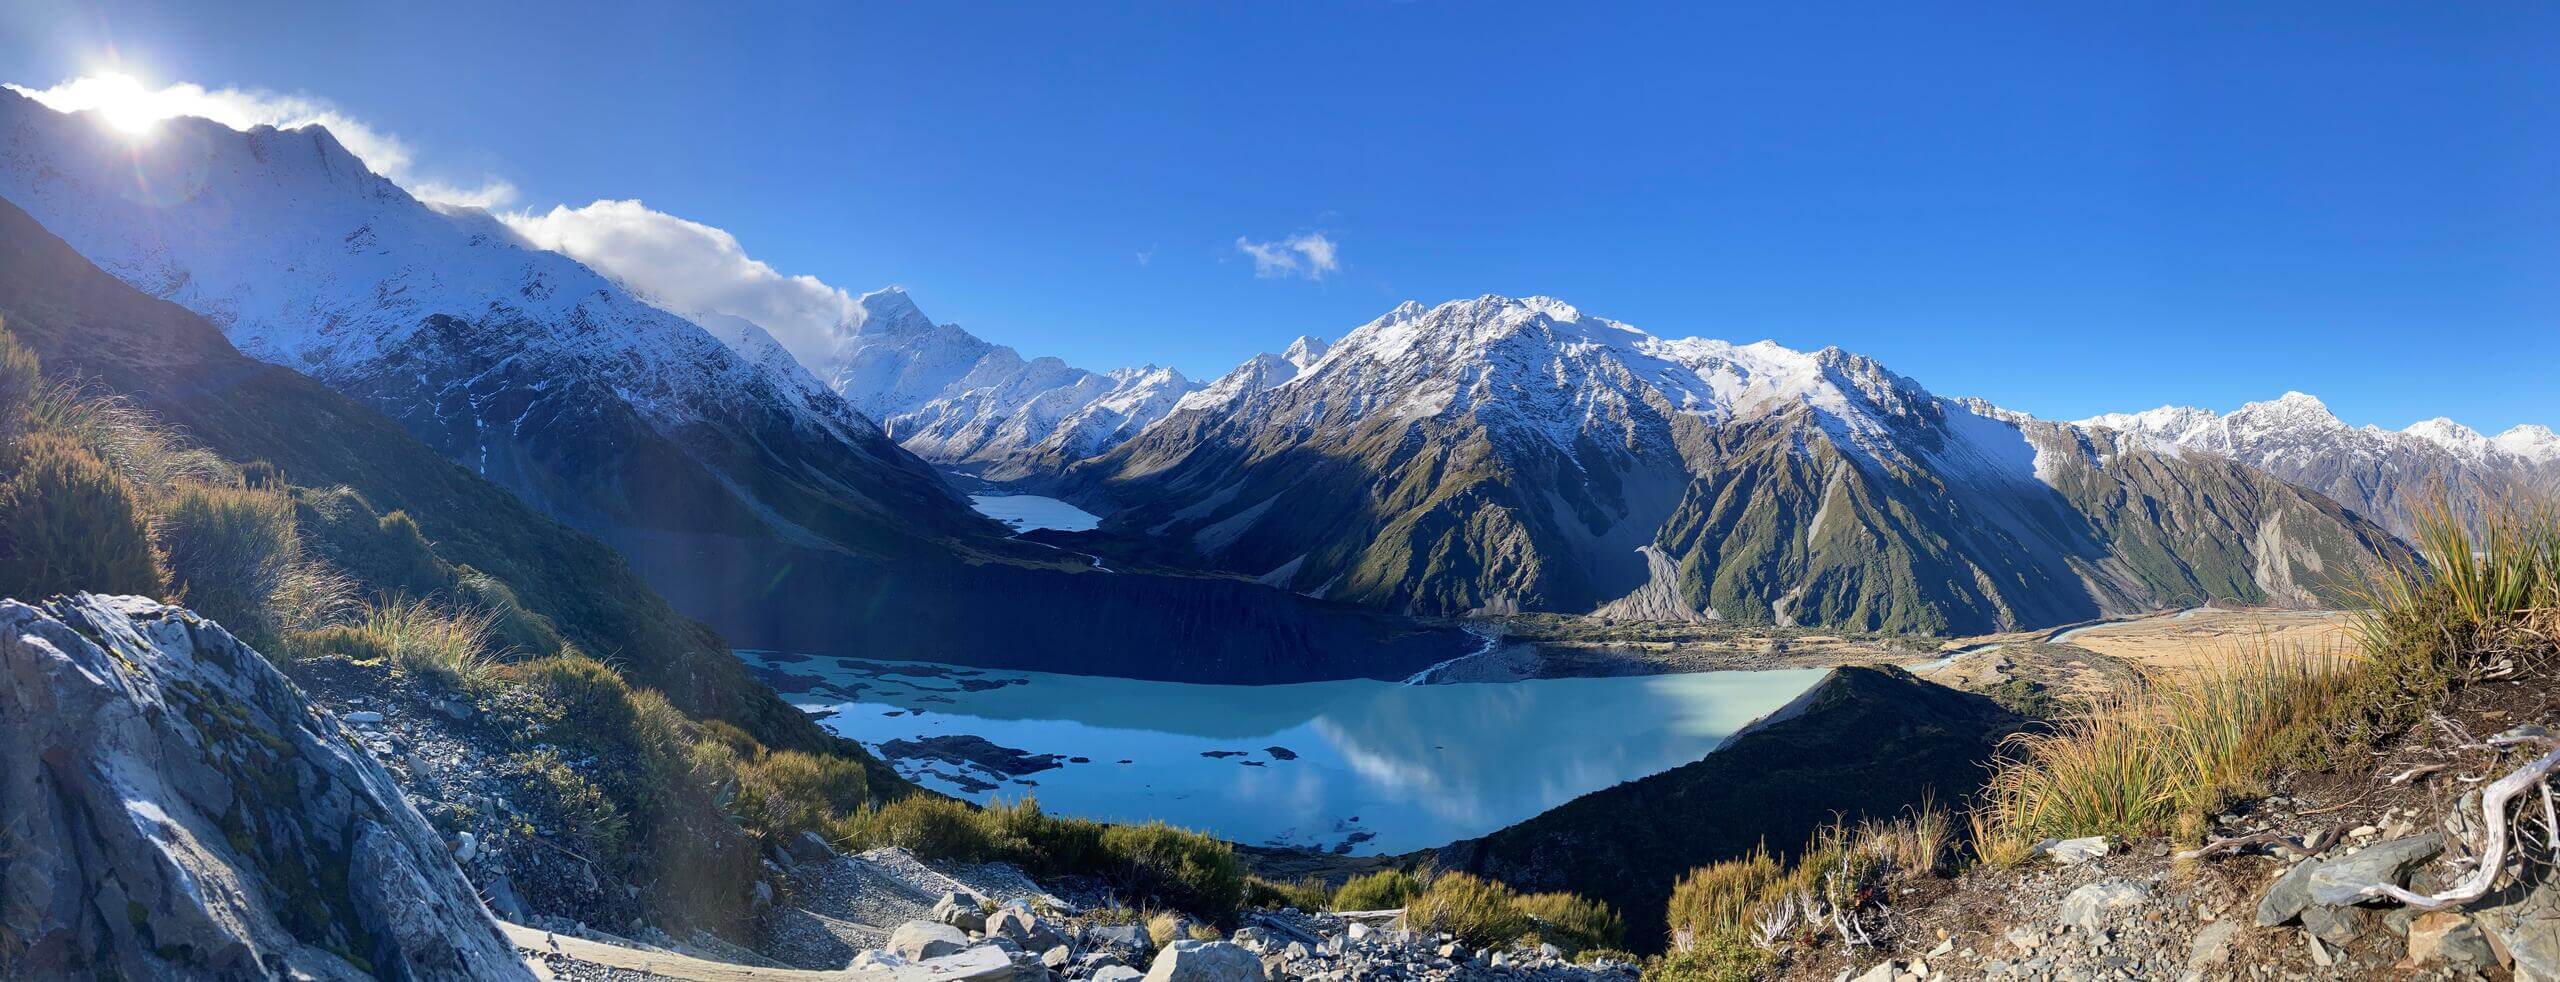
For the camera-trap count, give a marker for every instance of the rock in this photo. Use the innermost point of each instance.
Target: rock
(1023, 928)
(2072, 852)
(2319, 952)
(2339, 881)
(810, 848)
(363, 717)
(2444, 936)
(2026, 938)
(2335, 925)
(137, 733)
(466, 847)
(923, 940)
(2212, 945)
(979, 963)
(1057, 956)
(1296, 951)
(960, 911)
(2091, 907)
(1884, 971)
(2527, 929)
(2286, 899)
(1358, 931)
(1127, 937)
(1117, 973)
(1205, 961)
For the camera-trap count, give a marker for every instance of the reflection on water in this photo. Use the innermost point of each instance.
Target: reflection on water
(1360, 766)
(1025, 512)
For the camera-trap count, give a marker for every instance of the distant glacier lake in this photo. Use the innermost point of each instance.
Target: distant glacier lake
(1025, 512)
(1356, 767)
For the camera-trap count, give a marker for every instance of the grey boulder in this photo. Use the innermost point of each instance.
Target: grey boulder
(1205, 961)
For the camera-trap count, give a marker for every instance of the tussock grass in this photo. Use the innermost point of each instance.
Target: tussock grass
(1573, 923)
(236, 556)
(123, 435)
(2137, 764)
(450, 646)
(2484, 603)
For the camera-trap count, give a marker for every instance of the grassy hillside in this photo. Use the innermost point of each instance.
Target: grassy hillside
(169, 362)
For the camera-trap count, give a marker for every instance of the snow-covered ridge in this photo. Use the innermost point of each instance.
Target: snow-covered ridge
(306, 258)
(2297, 424)
(961, 401)
(1539, 365)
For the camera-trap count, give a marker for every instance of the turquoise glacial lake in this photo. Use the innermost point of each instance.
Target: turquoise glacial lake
(1357, 767)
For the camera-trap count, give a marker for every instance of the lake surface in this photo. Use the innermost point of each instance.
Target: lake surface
(1357, 766)
(1030, 511)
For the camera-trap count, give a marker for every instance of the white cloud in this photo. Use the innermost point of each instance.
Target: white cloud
(1311, 255)
(692, 269)
(135, 108)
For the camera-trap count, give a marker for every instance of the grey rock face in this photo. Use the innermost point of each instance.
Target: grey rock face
(2338, 880)
(2091, 907)
(2286, 899)
(173, 808)
(1205, 961)
(920, 940)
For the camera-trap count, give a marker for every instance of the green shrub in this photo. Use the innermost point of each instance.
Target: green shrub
(572, 804)
(1717, 900)
(1308, 893)
(1480, 912)
(68, 522)
(931, 826)
(1177, 867)
(1386, 889)
(786, 792)
(1718, 959)
(1573, 923)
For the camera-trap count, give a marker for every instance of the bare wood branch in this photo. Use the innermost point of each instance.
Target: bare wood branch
(2493, 816)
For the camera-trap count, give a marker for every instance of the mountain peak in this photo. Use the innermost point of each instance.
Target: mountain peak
(888, 310)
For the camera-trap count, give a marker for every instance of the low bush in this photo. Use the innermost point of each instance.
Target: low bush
(1309, 893)
(1159, 863)
(931, 826)
(69, 522)
(1480, 912)
(783, 793)
(1573, 923)
(1386, 889)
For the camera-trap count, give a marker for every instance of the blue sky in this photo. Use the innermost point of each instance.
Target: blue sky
(2064, 209)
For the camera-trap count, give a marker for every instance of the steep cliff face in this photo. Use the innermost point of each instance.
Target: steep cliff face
(171, 807)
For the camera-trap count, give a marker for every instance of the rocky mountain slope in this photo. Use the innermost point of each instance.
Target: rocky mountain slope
(978, 407)
(173, 808)
(2384, 474)
(740, 487)
(1498, 455)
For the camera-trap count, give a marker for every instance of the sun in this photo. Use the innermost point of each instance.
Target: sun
(124, 103)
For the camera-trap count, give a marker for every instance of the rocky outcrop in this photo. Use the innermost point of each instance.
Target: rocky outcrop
(172, 807)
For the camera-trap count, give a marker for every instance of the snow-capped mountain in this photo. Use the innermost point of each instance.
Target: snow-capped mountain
(518, 363)
(980, 408)
(1504, 454)
(2385, 474)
